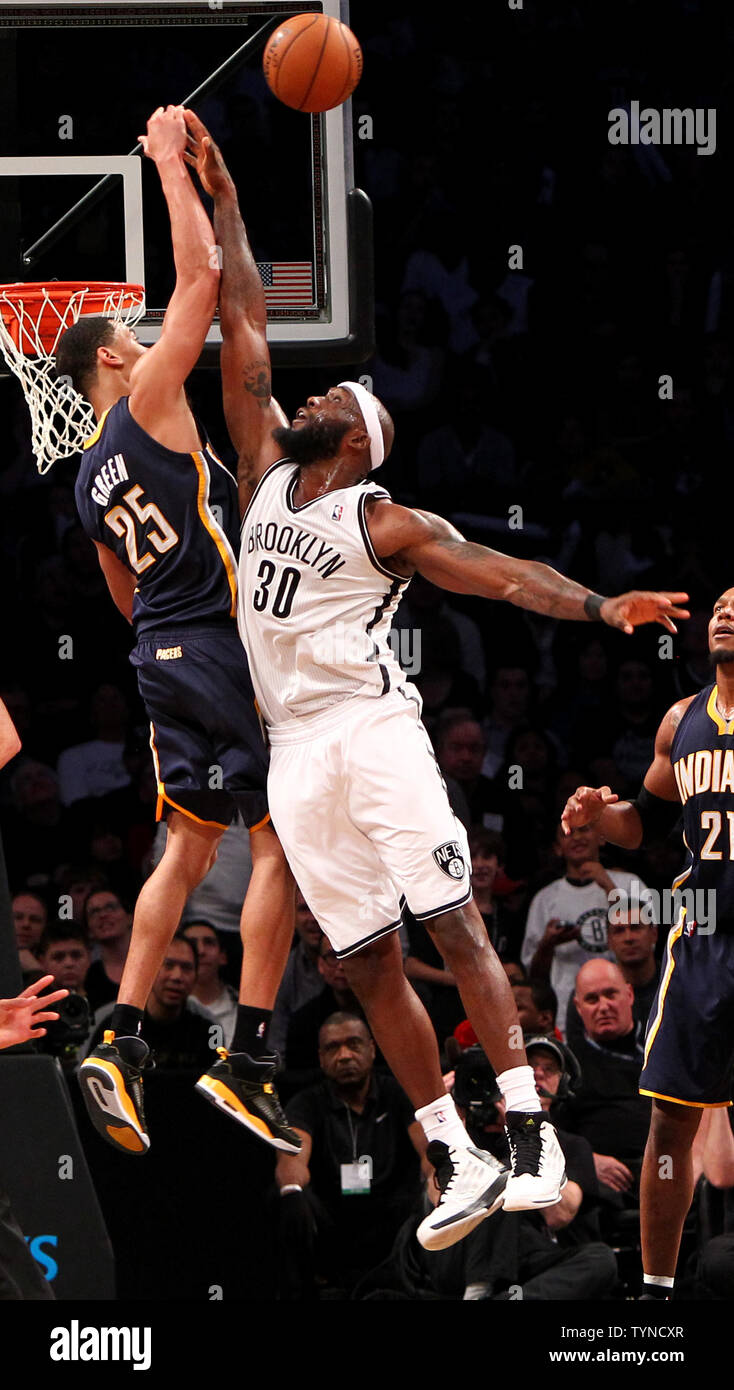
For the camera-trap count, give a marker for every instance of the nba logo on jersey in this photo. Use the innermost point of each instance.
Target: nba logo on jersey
(336, 515)
(689, 928)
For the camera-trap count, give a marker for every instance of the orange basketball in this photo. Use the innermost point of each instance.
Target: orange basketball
(312, 62)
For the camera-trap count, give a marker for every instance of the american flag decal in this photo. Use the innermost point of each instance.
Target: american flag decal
(287, 283)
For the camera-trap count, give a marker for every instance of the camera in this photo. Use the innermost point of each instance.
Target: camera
(71, 1028)
(476, 1089)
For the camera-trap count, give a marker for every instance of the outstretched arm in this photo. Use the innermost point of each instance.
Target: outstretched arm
(249, 408)
(159, 374)
(411, 540)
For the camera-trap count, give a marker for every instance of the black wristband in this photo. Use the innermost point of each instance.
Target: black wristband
(657, 816)
(592, 607)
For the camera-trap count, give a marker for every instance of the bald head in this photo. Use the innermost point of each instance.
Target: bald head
(604, 1001)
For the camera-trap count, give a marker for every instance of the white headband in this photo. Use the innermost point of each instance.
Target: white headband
(366, 403)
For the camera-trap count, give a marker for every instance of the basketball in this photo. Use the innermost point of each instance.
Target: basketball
(312, 62)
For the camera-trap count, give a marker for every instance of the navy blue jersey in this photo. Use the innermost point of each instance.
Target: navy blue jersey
(702, 755)
(171, 518)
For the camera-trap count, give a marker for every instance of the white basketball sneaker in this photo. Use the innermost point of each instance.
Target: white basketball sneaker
(472, 1184)
(538, 1174)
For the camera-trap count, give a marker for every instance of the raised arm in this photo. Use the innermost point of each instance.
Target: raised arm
(411, 540)
(158, 376)
(656, 807)
(249, 408)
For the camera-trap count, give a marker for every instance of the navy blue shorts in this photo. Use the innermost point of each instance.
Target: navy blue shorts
(689, 1046)
(208, 745)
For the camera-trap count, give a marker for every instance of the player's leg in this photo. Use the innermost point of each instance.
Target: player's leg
(397, 1018)
(188, 856)
(538, 1167)
(689, 1057)
(338, 871)
(242, 1081)
(267, 923)
(471, 1183)
(111, 1075)
(398, 798)
(688, 1064)
(666, 1190)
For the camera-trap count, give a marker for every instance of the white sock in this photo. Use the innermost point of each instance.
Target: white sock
(663, 1281)
(518, 1088)
(440, 1120)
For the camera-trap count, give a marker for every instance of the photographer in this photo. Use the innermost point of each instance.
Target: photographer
(64, 954)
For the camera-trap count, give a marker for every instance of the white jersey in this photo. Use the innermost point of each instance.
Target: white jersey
(315, 603)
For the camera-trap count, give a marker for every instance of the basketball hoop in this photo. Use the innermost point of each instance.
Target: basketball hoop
(32, 319)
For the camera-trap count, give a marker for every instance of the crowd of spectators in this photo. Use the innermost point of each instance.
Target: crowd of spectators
(525, 392)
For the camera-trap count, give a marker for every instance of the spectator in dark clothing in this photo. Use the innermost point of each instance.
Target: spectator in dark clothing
(536, 1006)
(302, 1066)
(440, 680)
(30, 915)
(607, 1108)
(39, 834)
(460, 748)
(301, 979)
(345, 1195)
(629, 735)
(179, 1035)
(75, 882)
(631, 935)
(109, 925)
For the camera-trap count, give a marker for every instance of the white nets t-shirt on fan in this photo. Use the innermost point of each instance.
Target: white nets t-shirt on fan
(355, 791)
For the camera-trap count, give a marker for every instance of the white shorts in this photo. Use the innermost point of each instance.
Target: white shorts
(362, 812)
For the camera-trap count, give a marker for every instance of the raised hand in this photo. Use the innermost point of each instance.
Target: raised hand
(557, 933)
(205, 156)
(20, 1017)
(586, 806)
(166, 137)
(631, 610)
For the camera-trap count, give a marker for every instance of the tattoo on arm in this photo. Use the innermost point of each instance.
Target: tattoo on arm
(257, 381)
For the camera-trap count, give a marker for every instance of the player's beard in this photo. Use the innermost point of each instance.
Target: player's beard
(311, 443)
(723, 656)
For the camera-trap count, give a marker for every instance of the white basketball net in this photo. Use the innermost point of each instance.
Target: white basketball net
(61, 419)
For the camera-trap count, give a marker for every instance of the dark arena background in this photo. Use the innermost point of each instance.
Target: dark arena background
(543, 300)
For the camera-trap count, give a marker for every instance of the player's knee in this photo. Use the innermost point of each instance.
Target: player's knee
(192, 853)
(456, 938)
(672, 1126)
(375, 965)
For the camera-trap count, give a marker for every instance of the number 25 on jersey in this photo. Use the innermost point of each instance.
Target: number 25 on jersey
(121, 520)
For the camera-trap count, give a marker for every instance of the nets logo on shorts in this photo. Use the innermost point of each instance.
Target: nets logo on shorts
(450, 859)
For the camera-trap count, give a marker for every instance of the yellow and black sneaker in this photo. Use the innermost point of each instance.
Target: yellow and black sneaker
(112, 1086)
(243, 1087)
